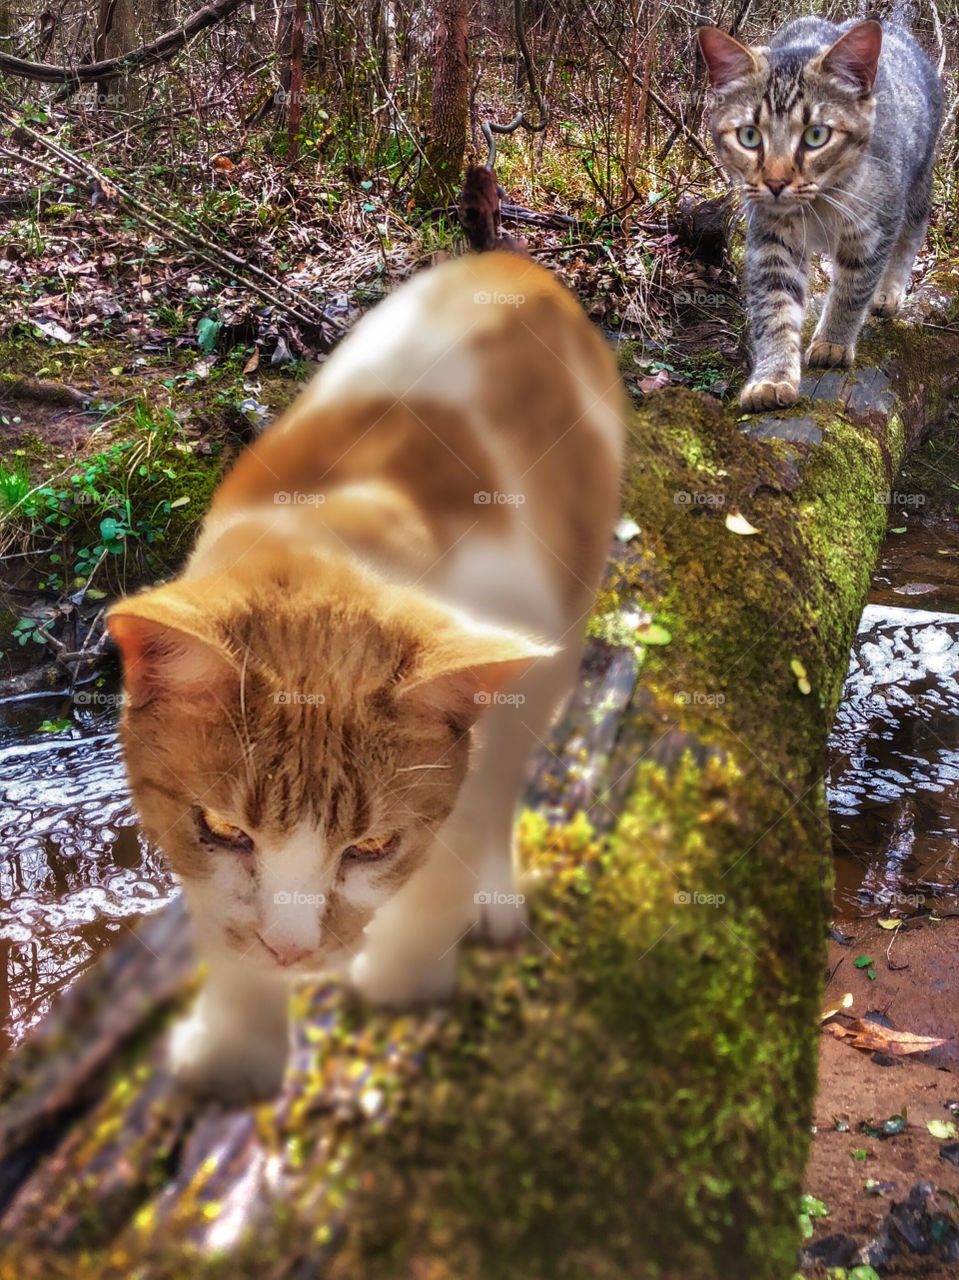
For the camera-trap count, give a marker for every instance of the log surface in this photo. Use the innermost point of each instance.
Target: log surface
(629, 1093)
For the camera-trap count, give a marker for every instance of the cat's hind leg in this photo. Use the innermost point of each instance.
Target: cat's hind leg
(859, 262)
(891, 290)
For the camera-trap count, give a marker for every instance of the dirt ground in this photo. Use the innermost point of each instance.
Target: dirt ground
(916, 988)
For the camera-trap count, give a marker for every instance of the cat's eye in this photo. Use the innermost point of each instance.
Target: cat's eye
(816, 135)
(749, 137)
(374, 849)
(221, 832)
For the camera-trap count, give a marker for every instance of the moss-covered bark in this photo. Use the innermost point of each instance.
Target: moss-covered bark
(630, 1095)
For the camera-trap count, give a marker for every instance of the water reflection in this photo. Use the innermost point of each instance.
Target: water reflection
(893, 765)
(72, 865)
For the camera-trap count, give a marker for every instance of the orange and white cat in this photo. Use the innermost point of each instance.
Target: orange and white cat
(328, 714)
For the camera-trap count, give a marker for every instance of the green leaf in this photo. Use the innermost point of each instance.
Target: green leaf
(902, 529)
(180, 502)
(863, 1273)
(207, 332)
(653, 634)
(860, 1154)
(815, 1208)
(863, 962)
(54, 726)
(941, 1129)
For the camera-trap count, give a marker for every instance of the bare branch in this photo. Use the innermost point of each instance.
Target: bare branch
(157, 51)
(520, 119)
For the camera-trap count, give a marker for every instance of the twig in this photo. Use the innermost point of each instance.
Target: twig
(85, 653)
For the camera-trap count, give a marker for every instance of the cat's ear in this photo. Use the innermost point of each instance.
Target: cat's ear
(462, 665)
(854, 58)
(167, 647)
(726, 58)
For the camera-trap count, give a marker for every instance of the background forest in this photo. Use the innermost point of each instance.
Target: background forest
(324, 140)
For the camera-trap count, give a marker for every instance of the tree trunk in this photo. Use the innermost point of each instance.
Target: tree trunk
(631, 1093)
(295, 100)
(446, 138)
(116, 35)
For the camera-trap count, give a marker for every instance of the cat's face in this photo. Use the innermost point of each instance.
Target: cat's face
(294, 758)
(791, 123)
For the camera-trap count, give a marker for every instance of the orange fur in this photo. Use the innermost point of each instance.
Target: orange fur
(351, 609)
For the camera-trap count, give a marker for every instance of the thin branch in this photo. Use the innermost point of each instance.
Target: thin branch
(663, 106)
(158, 51)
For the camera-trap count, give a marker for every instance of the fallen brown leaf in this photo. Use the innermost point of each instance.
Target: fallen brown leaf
(862, 1034)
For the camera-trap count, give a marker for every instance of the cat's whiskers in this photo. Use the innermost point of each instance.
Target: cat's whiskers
(859, 223)
(410, 768)
(815, 213)
(857, 196)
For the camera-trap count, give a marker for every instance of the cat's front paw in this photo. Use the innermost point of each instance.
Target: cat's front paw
(885, 303)
(768, 394)
(233, 1072)
(829, 355)
(390, 981)
(503, 919)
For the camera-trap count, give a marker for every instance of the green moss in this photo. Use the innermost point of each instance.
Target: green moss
(629, 1094)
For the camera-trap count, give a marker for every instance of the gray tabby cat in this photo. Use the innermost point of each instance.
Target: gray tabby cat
(831, 133)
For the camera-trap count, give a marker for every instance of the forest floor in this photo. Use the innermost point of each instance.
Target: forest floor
(871, 1145)
(149, 346)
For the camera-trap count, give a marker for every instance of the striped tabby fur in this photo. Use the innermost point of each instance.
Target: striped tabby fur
(830, 131)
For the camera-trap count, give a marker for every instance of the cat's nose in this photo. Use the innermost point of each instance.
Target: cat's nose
(285, 953)
(776, 185)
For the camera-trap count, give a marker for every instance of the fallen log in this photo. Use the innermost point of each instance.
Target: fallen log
(630, 1093)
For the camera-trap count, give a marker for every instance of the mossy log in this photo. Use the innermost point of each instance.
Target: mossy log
(628, 1095)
